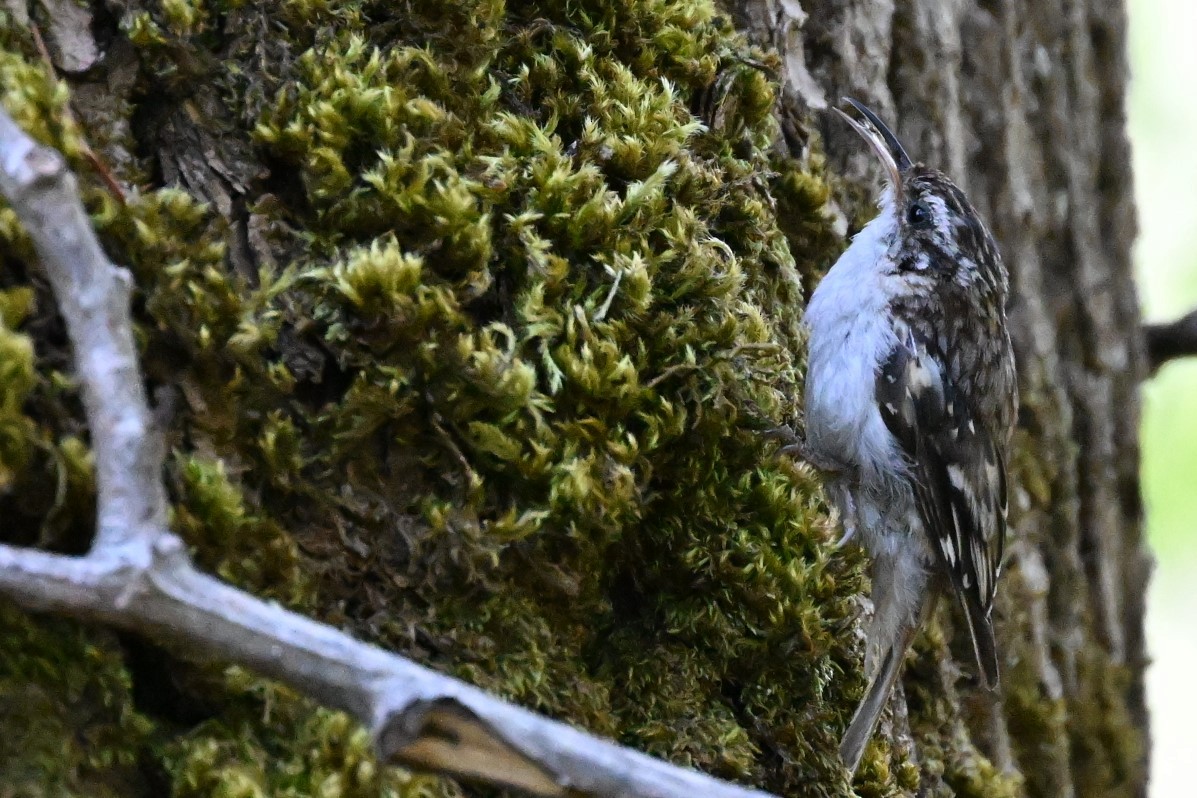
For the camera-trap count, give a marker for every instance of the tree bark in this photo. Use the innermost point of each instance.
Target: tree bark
(462, 336)
(1023, 103)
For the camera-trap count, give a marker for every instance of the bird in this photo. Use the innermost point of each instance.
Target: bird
(910, 403)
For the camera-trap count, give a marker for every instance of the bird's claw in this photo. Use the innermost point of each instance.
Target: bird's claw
(791, 443)
(849, 533)
(795, 447)
(848, 518)
(785, 433)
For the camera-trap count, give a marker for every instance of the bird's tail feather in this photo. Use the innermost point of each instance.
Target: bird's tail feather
(980, 629)
(864, 722)
(881, 686)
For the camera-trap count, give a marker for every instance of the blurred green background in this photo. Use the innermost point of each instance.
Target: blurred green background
(1163, 127)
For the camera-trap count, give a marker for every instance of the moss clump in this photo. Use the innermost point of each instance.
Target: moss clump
(17, 380)
(239, 755)
(1108, 751)
(66, 710)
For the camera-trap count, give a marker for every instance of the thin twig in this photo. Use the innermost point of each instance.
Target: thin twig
(138, 575)
(97, 163)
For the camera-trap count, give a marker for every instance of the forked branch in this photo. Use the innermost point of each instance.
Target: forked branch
(138, 575)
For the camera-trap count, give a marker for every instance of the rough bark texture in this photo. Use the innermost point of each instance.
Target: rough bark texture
(1023, 102)
(463, 333)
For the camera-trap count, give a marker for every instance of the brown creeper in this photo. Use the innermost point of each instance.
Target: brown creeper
(910, 403)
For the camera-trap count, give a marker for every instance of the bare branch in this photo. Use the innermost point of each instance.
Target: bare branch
(138, 575)
(94, 298)
(1172, 340)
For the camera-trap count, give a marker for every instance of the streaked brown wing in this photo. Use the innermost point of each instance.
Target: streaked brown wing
(959, 480)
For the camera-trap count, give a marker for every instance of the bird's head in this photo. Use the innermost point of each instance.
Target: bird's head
(935, 229)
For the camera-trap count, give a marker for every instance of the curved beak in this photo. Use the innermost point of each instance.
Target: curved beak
(881, 140)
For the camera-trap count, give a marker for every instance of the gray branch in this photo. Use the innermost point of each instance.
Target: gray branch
(1170, 341)
(138, 576)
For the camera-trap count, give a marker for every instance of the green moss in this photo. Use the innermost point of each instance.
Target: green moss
(1108, 749)
(38, 104)
(325, 753)
(66, 710)
(974, 775)
(229, 539)
(17, 380)
(184, 17)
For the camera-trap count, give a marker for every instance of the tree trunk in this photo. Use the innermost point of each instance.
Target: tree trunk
(463, 335)
(1024, 104)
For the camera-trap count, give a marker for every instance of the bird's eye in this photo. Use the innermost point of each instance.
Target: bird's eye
(918, 215)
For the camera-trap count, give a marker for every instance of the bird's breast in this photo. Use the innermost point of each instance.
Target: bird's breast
(851, 333)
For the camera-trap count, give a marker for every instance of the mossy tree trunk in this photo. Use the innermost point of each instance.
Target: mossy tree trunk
(1024, 103)
(463, 331)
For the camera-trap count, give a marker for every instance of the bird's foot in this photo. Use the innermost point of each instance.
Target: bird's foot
(847, 519)
(785, 433)
(801, 450)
